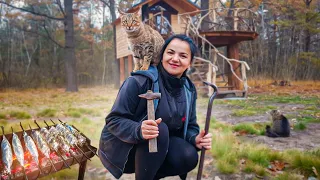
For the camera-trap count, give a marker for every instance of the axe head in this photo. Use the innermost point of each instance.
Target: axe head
(150, 95)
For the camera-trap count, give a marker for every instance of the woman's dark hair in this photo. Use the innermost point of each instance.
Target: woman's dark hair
(182, 37)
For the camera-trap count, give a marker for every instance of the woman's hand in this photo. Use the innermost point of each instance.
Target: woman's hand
(203, 140)
(149, 128)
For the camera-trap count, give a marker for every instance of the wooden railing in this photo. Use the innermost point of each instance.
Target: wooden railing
(221, 19)
(164, 28)
(218, 19)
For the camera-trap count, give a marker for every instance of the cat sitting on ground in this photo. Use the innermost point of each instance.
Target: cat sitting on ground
(144, 41)
(280, 125)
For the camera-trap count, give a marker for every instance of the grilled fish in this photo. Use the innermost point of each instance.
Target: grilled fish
(81, 139)
(31, 146)
(6, 154)
(41, 144)
(18, 149)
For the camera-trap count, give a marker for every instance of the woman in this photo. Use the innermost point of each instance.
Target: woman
(124, 139)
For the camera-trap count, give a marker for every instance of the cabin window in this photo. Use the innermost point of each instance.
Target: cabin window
(163, 27)
(162, 16)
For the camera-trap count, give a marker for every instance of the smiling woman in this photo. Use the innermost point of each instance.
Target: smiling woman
(177, 57)
(124, 139)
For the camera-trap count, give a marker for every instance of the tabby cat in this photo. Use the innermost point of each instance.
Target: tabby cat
(280, 125)
(144, 41)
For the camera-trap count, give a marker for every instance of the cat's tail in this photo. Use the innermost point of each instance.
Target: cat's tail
(270, 133)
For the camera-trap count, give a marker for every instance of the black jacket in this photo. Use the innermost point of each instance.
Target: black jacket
(122, 128)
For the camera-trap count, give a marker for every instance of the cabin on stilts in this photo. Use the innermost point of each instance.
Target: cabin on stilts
(211, 27)
(217, 27)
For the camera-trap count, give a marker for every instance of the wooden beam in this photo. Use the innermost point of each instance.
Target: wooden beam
(233, 53)
(121, 70)
(130, 68)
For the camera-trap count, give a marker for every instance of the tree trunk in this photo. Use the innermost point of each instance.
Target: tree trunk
(115, 62)
(307, 31)
(70, 59)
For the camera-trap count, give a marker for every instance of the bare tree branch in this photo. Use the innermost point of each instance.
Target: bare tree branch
(60, 7)
(32, 12)
(107, 3)
(222, 4)
(39, 34)
(49, 36)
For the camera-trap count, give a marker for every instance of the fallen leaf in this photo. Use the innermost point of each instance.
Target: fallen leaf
(276, 166)
(242, 161)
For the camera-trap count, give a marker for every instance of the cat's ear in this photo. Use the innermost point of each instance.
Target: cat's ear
(120, 12)
(138, 12)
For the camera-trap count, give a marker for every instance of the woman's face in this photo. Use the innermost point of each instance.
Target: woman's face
(176, 57)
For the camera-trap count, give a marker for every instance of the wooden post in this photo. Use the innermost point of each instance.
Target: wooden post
(209, 74)
(121, 70)
(235, 19)
(233, 53)
(130, 61)
(214, 19)
(82, 169)
(214, 73)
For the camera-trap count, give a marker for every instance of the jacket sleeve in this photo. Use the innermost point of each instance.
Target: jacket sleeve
(120, 121)
(193, 127)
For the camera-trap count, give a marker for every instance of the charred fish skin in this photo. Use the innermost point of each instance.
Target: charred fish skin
(6, 151)
(31, 146)
(18, 149)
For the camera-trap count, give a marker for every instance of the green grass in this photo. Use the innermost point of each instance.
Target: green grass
(3, 123)
(47, 113)
(300, 126)
(20, 114)
(308, 119)
(252, 109)
(78, 112)
(310, 100)
(2, 116)
(85, 121)
(227, 165)
(73, 113)
(64, 174)
(220, 126)
(303, 161)
(288, 176)
(249, 128)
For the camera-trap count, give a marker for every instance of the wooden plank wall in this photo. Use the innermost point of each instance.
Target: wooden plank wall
(122, 42)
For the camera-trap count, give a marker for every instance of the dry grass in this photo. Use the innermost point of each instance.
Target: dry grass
(297, 87)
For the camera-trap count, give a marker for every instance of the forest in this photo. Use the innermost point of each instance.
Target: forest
(70, 43)
(59, 62)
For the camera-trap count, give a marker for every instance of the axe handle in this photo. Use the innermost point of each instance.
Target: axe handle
(152, 142)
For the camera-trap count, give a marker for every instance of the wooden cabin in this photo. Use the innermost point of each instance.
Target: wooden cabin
(211, 27)
(150, 10)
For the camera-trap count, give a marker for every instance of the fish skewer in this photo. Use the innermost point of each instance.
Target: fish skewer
(51, 142)
(18, 151)
(81, 139)
(31, 146)
(42, 146)
(71, 139)
(61, 141)
(6, 150)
